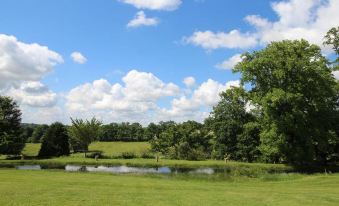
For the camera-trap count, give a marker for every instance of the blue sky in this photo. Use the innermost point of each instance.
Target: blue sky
(174, 40)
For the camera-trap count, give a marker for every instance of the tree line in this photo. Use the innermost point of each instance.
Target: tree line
(285, 110)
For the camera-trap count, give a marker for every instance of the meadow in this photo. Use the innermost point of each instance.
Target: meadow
(67, 188)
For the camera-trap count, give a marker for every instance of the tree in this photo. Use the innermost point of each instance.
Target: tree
(109, 132)
(293, 86)
(55, 141)
(11, 142)
(38, 133)
(227, 122)
(82, 133)
(27, 131)
(332, 39)
(152, 131)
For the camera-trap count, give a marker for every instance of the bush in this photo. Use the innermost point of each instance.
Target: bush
(147, 155)
(55, 141)
(128, 155)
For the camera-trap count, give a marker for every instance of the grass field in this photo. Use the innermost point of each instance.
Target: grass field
(112, 149)
(117, 148)
(62, 188)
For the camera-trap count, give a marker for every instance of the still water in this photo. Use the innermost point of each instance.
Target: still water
(122, 169)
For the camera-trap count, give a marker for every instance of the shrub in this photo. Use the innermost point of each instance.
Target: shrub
(55, 142)
(128, 155)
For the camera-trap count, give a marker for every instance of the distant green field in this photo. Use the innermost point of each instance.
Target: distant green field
(117, 148)
(108, 148)
(31, 149)
(65, 188)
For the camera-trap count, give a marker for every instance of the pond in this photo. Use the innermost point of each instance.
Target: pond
(123, 169)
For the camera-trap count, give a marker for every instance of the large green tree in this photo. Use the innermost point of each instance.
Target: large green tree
(292, 85)
(55, 141)
(11, 142)
(83, 132)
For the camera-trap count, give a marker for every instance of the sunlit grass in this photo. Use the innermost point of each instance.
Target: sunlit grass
(65, 188)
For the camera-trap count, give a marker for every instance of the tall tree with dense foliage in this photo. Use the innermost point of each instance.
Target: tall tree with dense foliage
(55, 142)
(11, 142)
(82, 133)
(292, 84)
(227, 122)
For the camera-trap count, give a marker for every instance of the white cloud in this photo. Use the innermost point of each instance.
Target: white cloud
(24, 62)
(132, 101)
(137, 99)
(33, 94)
(336, 74)
(210, 40)
(189, 82)
(307, 19)
(140, 19)
(168, 5)
(230, 63)
(79, 58)
(199, 104)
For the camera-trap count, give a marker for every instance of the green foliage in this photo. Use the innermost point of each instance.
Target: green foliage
(38, 133)
(27, 131)
(55, 142)
(11, 141)
(236, 137)
(82, 133)
(298, 98)
(332, 39)
(128, 155)
(122, 132)
(188, 140)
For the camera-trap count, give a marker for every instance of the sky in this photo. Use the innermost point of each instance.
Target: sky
(140, 60)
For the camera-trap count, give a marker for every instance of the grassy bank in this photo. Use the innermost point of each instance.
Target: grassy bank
(62, 188)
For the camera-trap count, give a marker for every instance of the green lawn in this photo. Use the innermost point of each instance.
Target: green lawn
(31, 149)
(117, 148)
(62, 188)
(113, 149)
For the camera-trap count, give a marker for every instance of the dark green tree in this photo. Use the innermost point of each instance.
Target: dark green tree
(55, 142)
(11, 142)
(292, 85)
(227, 122)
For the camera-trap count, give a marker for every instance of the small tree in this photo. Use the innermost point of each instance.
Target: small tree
(55, 141)
(11, 142)
(82, 133)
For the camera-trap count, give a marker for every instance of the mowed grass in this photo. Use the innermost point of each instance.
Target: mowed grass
(117, 148)
(66, 188)
(31, 149)
(113, 149)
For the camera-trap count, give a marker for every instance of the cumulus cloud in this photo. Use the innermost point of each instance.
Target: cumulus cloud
(211, 40)
(230, 63)
(167, 5)
(79, 58)
(189, 82)
(137, 99)
(24, 62)
(33, 94)
(134, 99)
(199, 104)
(140, 19)
(297, 19)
